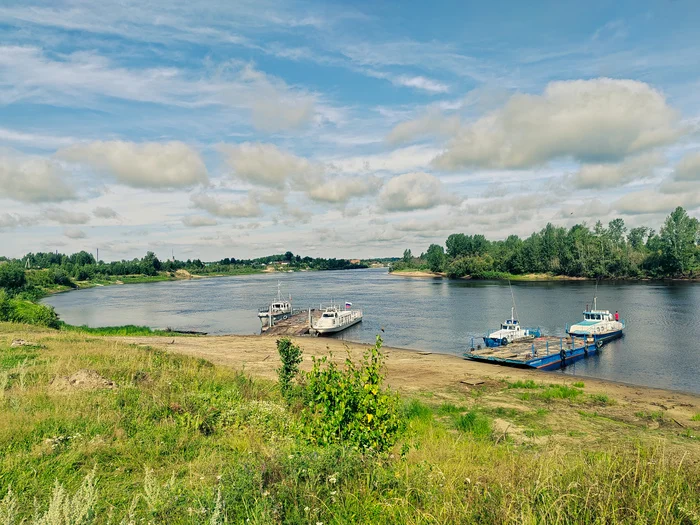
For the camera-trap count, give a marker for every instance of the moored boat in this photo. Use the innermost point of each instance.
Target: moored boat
(599, 324)
(510, 332)
(277, 309)
(334, 319)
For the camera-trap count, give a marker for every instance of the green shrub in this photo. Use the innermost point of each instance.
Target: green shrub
(290, 355)
(350, 406)
(12, 276)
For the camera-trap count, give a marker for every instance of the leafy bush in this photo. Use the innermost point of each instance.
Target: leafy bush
(12, 276)
(350, 406)
(18, 310)
(290, 355)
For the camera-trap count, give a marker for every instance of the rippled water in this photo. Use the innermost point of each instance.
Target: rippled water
(661, 346)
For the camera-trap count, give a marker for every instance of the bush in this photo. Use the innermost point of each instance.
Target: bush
(350, 406)
(290, 355)
(12, 276)
(18, 310)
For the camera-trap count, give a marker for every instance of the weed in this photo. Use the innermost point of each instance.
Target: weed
(696, 417)
(559, 392)
(657, 416)
(475, 423)
(578, 384)
(601, 399)
(290, 355)
(523, 384)
(448, 409)
(414, 409)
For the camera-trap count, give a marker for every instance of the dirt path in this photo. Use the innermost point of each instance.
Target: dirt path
(421, 372)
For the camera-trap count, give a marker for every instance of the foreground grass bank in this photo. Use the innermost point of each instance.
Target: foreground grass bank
(136, 435)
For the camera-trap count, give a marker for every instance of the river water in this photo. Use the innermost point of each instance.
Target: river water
(660, 348)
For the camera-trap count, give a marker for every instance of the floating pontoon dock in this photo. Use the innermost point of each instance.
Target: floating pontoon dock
(544, 353)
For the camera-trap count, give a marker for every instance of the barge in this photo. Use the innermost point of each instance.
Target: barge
(542, 353)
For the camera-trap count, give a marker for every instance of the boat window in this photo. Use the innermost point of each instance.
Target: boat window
(597, 316)
(328, 314)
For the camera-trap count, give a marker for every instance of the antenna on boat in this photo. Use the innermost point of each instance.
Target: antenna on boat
(513, 311)
(595, 295)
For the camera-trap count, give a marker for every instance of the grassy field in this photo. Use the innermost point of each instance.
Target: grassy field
(122, 434)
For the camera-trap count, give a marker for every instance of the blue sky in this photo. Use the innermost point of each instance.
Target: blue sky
(245, 128)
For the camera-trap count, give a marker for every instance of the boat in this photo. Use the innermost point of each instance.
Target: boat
(599, 324)
(510, 332)
(277, 309)
(334, 319)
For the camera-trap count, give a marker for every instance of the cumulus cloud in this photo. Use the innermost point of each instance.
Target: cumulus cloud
(432, 123)
(413, 191)
(64, 216)
(688, 169)
(146, 165)
(30, 179)
(74, 233)
(340, 190)
(274, 105)
(650, 201)
(267, 165)
(243, 208)
(105, 212)
(596, 176)
(197, 221)
(599, 120)
(14, 220)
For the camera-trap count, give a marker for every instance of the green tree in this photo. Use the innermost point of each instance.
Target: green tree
(407, 256)
(12, 276)
(457, 245)
(679, 237)
(435, 257)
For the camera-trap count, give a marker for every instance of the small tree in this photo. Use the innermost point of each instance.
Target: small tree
(435, 257)
(291, 357)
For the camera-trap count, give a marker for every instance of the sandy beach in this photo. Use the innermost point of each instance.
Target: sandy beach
(426, 373)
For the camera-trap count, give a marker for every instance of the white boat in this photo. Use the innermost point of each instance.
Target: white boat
(334, 319)
(510, 332)
(278, 308)
(599, 324)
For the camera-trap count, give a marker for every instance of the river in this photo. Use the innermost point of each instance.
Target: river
(660, 348)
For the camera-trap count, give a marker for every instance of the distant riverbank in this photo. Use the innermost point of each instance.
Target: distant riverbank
(497, 277)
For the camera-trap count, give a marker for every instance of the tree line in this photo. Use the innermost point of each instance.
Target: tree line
(579, 251)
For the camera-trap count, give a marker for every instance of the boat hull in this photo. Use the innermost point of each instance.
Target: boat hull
(551, 361)
(602, 338)
(336, 329)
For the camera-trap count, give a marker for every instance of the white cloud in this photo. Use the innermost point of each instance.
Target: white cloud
(147, 165)
(413, 191)
(594, 176)
(420, 82)
(342, 189)
(74, 233)
(243, 208)
(432, 123)
(31, 179)
(411, 158)
(688, 169)
(64, 216)
(650, 201)
(105, 212)
(267, 165)
(590, 120)
(14, 220)
(196, 221)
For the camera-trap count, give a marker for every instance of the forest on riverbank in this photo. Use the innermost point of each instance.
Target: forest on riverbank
(612, 252)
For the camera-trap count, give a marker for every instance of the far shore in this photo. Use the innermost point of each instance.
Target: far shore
(542, 277)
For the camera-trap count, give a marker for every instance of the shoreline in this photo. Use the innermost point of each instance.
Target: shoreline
(535, 277)
(419, 372)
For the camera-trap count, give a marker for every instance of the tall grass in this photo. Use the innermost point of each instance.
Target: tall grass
(180, 441)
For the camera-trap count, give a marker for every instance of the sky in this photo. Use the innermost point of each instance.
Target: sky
(245, 128)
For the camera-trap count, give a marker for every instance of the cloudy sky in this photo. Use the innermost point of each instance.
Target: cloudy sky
(241, 128)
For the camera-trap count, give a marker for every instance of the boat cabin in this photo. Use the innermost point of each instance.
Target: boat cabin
(510, 324)
(597, 315)
(330, 314)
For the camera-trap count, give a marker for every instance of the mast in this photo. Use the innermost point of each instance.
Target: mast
(513, 312)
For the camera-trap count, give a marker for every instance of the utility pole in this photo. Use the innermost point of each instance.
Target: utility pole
(98, 256)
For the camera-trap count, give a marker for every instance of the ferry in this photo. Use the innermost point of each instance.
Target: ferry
(334, 319)
(599, 324)
(510, 332)
(277, 309)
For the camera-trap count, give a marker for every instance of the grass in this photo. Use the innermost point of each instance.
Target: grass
(559, 392)
(125, 330)
(529, 384)
(696, 417)
(578, 384)
(656, 415)
(182, 441)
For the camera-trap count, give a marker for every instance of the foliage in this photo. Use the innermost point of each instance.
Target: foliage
(290, 355)
(475, 423)
(350, 406)
(11, 276)
(19, 310)
(580, 251)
